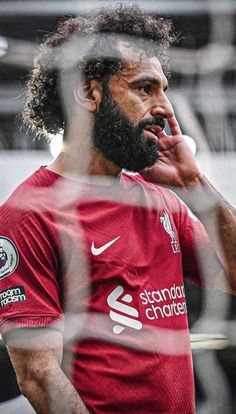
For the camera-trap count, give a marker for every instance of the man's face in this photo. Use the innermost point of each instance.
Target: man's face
(3, 257)
(131, 115)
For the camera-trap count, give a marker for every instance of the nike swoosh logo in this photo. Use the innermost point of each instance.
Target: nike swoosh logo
(96, 251)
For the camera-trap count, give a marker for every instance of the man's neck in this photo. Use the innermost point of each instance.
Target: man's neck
(65, 165)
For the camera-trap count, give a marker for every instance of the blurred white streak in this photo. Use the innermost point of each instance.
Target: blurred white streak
(18, 52)
(50, 7)
(191, 143)
(188, 120)
(3, 46)
(56, 144)
(214, 383)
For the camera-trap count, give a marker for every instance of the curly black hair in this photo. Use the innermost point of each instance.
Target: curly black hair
(43, 111)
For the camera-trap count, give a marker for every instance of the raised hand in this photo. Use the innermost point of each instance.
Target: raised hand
(176, 165)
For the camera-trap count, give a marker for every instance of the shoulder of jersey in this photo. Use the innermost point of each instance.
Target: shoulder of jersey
(136, 177)
(27, 195)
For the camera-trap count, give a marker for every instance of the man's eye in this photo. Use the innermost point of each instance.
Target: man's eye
(145, 88)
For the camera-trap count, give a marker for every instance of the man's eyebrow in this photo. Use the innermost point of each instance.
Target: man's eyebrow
(144, 79)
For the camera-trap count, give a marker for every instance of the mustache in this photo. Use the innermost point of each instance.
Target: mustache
(158, 120)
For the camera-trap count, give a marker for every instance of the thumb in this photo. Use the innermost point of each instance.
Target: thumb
(148, 173)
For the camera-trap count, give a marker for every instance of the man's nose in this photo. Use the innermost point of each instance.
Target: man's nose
(162, 107)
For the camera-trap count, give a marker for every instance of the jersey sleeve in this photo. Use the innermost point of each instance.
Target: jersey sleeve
(200, 261)
(29, 272)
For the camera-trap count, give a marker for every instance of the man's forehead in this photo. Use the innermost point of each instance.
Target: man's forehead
(137, 61)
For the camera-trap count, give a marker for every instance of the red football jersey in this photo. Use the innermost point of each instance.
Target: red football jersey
(105, 264)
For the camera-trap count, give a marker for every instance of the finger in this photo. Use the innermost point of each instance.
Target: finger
(147, 173)
(174, 126)
(162, 134)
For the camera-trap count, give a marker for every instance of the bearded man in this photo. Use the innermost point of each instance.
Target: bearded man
(3, 257)
(102, 261)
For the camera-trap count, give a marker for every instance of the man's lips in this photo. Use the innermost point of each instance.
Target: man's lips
(152, 132)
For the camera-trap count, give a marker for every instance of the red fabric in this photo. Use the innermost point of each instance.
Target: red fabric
(126, 329)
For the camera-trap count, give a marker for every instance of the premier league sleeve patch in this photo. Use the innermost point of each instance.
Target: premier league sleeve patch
(9, 257)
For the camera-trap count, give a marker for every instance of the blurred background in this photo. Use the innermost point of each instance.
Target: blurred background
(202, 91)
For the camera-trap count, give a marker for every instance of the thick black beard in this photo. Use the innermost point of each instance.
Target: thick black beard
(3, 261)
(119, 140)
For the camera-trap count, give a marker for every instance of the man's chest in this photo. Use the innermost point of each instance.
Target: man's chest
(135, 237)
(133, 265)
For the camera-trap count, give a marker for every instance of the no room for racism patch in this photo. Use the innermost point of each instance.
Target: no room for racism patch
(11, 295)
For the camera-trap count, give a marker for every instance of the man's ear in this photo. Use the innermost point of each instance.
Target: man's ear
(89, 95)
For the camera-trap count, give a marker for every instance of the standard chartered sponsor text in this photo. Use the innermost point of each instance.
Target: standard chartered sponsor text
(164, 303)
